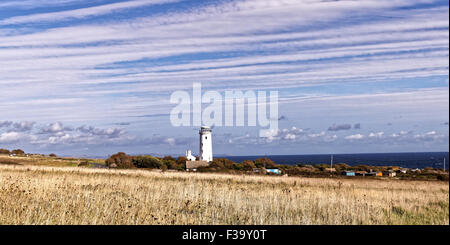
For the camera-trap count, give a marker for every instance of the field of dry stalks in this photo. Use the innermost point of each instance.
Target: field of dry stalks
(70, 195)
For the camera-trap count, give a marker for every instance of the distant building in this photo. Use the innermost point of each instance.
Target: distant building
(361, 173)
(257, 170)
(273, 170)
(193, 165)
(348, 173)
(403, 170)
(205, 151)
(189, 156)
(390, 173)
(205, 144)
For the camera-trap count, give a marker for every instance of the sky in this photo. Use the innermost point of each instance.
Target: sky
(91, 78)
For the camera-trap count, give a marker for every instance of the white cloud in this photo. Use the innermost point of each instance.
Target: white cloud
(317, 135)
(57, 133)
(378, 135)
(55, 128)
(81, 13)
(289, 137)
(354, 137)
(23, 126)
(13, 137)
(30, 4)
(430, 136)
(170, 141)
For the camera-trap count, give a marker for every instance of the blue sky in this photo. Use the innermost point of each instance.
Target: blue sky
(95, 77)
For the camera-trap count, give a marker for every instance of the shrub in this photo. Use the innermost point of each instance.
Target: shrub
(18, 152)
(52, 155)
(322, 167)
(4, 151)
(120, 160)
(294, 171)
(172, 165)
(248, 165)
(216, 163)
(340, 167)
(147, 162)
(364, 168)
(181, 160)
(169, 158)
(238, 166)
(264, 162)
(443, 177)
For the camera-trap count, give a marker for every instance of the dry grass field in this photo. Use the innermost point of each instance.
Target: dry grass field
(74, 195)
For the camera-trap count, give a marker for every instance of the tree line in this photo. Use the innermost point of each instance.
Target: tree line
(258, 166)
(122, 160)
(15, 152)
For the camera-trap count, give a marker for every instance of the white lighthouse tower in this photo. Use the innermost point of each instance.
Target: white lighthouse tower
(205, 144)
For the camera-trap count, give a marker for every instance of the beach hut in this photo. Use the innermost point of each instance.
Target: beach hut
(257, 170)
(361, 173)
(402, 170)
(390, 173)
(348, 173)
(273, 170)
(330, 170)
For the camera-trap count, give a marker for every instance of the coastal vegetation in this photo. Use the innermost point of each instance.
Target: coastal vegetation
(258, 166)
(122, 160)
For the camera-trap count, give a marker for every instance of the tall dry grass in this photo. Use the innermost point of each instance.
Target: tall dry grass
(51, 195)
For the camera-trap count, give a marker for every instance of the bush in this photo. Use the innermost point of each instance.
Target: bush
(147, 162)
(222, 163)
(4, 151)
(120, 160)
(52, 155)
(238, 166)
(171, 164)
(264, 162)
(181, 160)
(364, 168)
(322, 167)
(443, 177)
(216, 164)
(248, 165)
(169, 158)
(340, 167)
(18, 152)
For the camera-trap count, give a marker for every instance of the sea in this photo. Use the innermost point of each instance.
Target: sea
(406, 160)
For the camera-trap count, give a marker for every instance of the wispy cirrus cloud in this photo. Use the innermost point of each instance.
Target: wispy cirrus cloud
(31, 4)
(95, 62)
(81, 13)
